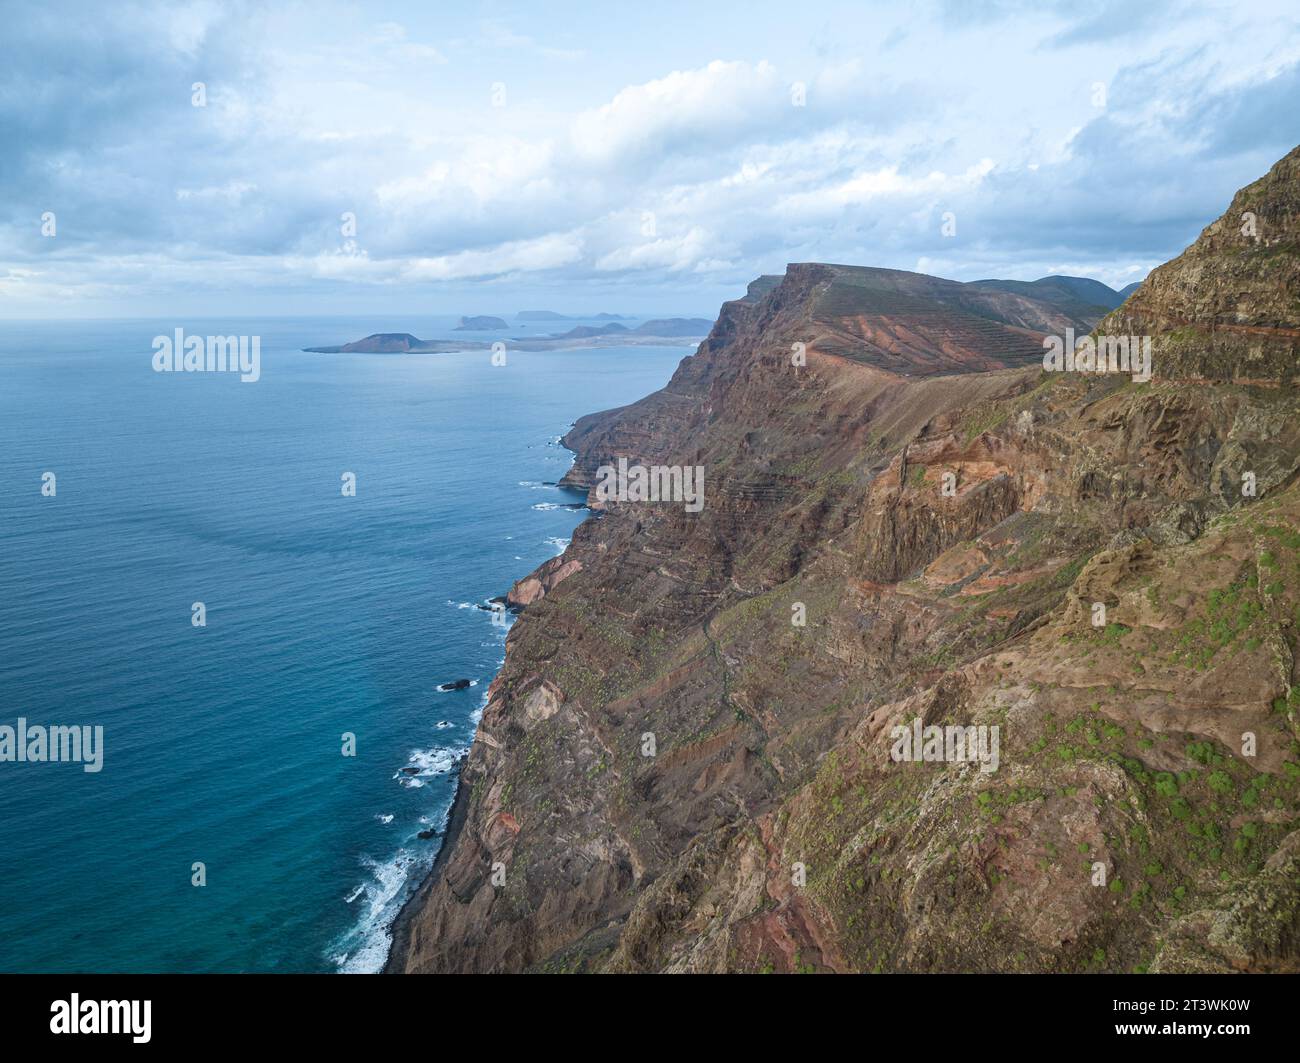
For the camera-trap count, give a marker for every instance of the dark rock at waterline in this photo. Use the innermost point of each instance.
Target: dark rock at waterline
(459, 684)
(425, 835)
(410, 771)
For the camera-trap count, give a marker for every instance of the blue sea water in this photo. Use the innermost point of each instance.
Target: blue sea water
(325, 614)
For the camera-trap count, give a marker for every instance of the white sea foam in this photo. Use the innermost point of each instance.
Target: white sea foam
(428, 763)
(439, 690)
(477, 714)
(364, 949)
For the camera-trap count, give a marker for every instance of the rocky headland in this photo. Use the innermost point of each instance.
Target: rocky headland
(688, 761)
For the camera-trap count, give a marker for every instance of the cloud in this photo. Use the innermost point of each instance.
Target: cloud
(695, 249)
(867, 186)
(392, 38)
(496, 34)
(723, 104)
(517, 256)
(661, 168)
(1113, 20)
(719, 103)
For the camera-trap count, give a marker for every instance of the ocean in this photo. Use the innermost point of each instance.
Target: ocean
(326, 615)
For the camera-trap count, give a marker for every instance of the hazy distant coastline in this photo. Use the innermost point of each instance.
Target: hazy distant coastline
(660, 332)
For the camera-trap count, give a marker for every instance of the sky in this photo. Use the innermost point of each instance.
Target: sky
(218, 159)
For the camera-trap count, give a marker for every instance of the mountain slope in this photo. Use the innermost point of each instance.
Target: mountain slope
(912, 324)
(673, 774)
(1080, 296)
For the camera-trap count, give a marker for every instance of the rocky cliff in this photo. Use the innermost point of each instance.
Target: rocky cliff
(689, 762)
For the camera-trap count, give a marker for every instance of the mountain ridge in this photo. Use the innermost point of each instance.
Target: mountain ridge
(885, 456)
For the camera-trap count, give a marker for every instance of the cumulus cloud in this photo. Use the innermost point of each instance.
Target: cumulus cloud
(547, 252)
(718, 104)
(695, 250)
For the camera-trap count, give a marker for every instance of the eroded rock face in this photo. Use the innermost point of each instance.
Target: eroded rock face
(1226, 309)
(532, 588)
(688, 762)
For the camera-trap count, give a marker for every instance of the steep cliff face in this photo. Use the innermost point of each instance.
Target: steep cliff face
(685, 763)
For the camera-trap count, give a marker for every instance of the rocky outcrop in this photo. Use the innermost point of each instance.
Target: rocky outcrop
(531, 588)
(690, 759)
(1226, 308)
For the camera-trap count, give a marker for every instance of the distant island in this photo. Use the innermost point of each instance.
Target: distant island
(551, 315)
(671, 327)
(670, 332)
(378, 343)
(480, 324)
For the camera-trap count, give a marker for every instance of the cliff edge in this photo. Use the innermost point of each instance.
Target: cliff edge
(690, 760)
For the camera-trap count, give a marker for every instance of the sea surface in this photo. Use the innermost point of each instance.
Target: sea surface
(326, 615)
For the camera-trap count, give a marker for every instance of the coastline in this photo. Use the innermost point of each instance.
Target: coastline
(529, 344)
(400, 928)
